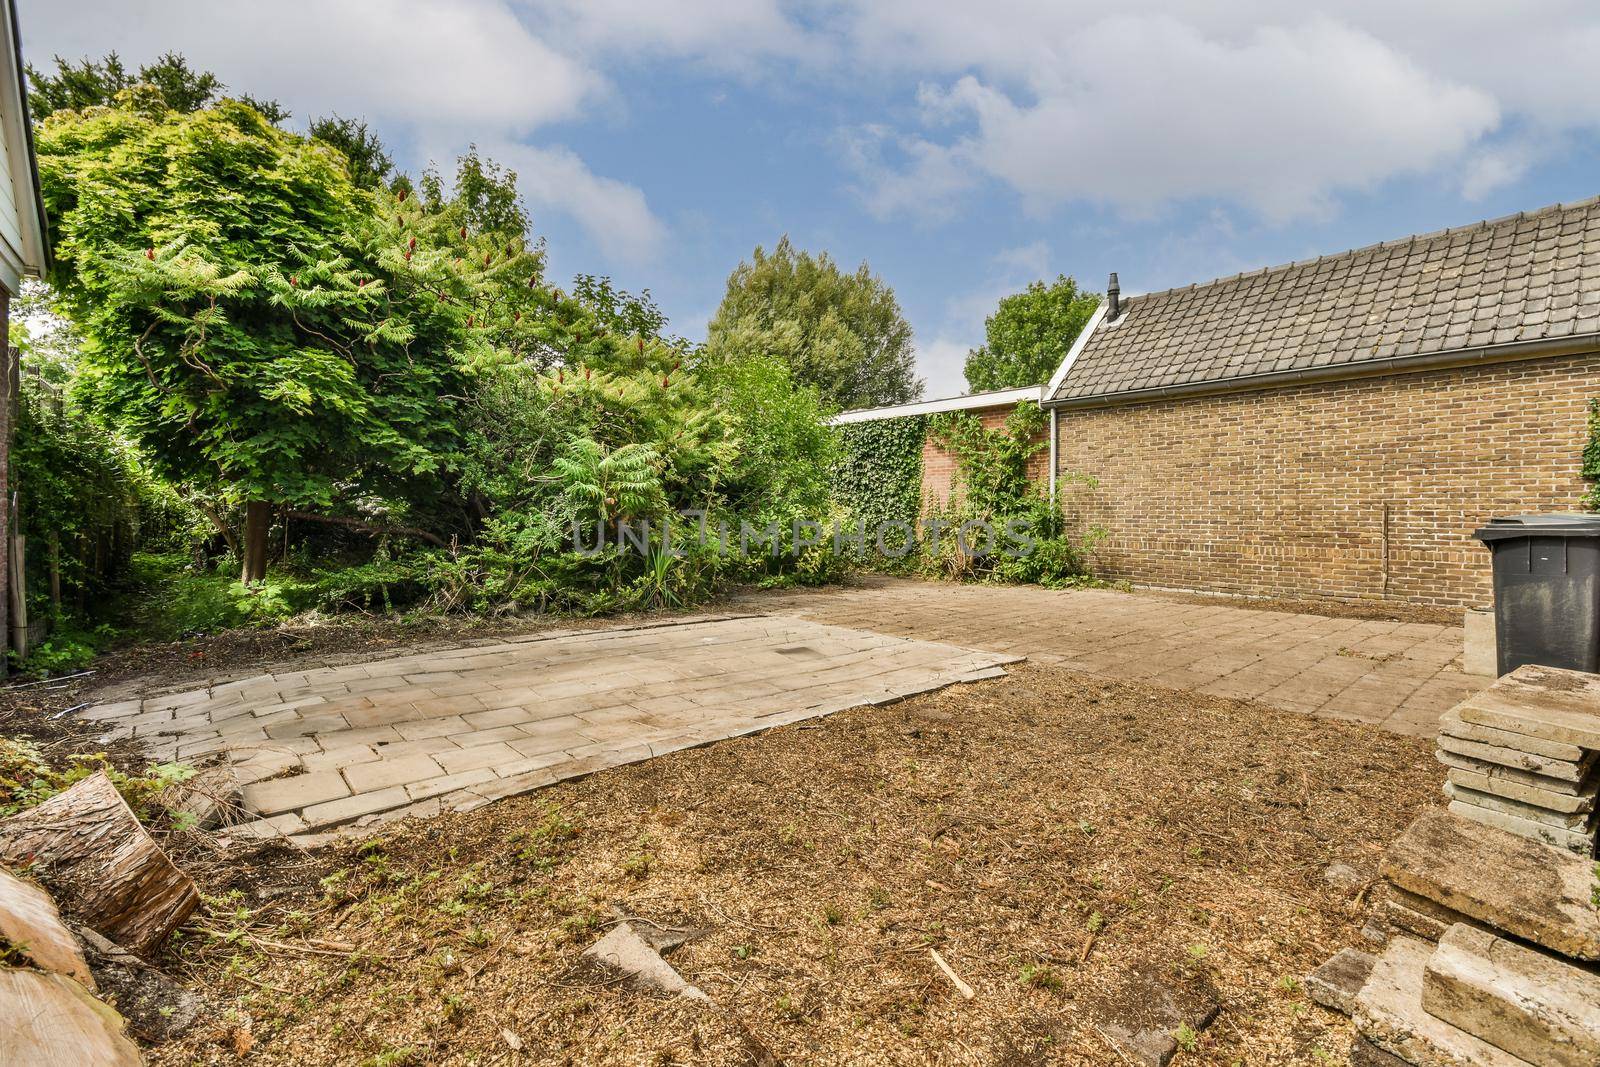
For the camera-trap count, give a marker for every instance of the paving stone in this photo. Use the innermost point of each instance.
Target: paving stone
(1456, 761)
(1528, 889)
(1533, 795)
(470, 759)
(1532, 1005)
(1389, 1013)
(624, 951)
(1580, 821)
(297, 791)
(449, 783)
(405, 770)
(1453, 724)
(1335, 984)
(1566, 770)
(1547, 702)
(1576, 841)
(322, 816)
(1420, 916)
(434, 727)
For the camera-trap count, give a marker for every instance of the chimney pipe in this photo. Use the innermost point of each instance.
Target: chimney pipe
(1113, 298)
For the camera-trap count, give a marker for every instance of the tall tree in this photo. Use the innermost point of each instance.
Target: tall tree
(96, 83)
(842, 334)
(296, 344)
(1028, 335)
(369, 162)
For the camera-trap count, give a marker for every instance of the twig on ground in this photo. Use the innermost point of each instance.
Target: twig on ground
(963, 988)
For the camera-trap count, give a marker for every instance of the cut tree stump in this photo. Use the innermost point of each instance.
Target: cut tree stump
(104, 869)
(31, 925)
(48, 1020)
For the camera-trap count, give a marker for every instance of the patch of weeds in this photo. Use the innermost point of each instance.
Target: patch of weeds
(1040, 976)
(546, 843)
(1186, 1038)
(878, 898)
(1086, 828)
(478, 937)
(28, 778)
(1322, 1055)
(789, 1008)
(1289, 985)
(742, 952)
(832, 915)
(404, 1056)
(1198, 952)
(1097, 922)
(638, 865)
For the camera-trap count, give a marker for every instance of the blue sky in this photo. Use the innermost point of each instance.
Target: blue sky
(961, 149)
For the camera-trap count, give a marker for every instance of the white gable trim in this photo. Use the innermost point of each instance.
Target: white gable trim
(971, 402)
(1073, 353)
(33, 257)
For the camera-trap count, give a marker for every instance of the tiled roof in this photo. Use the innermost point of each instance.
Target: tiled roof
(1525, 277)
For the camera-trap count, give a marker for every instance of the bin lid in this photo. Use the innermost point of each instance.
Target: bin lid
(1551, 524)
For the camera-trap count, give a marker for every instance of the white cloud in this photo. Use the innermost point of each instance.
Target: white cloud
(1143, 110)
(412, 62)
(614, 214)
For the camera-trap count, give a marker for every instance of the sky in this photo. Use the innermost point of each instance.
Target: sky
(961, 149)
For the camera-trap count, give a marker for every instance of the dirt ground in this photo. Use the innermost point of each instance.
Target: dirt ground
(1049, 834)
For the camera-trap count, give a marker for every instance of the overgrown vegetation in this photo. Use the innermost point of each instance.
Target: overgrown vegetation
(339, 387)
(28, 778)
(1591, 457)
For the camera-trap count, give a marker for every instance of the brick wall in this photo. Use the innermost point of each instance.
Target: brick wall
(939, 466)
(1359, 489)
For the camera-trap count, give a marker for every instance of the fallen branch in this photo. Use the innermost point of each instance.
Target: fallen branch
(963, 988)
(368, 527)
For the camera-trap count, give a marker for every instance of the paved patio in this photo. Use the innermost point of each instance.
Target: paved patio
(453, 730)
(1398, 675)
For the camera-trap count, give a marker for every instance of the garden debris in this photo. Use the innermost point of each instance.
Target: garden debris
(1449, 989)
(623, 950)
(31, 926)
(1148, 1016)
(961, 987)
(103, 868)
(1389, 1013)
(49, 1020)
(1523, 757)
(1518, 999)
(209, 799)
(1335, 984)
(156, 1007)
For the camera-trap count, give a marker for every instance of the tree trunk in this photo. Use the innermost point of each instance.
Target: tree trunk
(257, 524)
(222, 528)
(105, 871)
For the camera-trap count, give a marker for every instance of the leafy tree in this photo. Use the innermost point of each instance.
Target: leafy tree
(96, 83)
(369, 161)
(843, 334)
(1028, 335)
(286, 345)
(483, 196)
(619, 310)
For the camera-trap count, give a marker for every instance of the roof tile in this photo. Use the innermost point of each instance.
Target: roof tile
(1523, 277)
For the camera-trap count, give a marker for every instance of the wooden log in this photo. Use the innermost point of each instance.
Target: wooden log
(32, 927)
(48, 1020)
(106, 872)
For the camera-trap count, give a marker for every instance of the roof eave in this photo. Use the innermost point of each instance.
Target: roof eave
(19, 82)
(1370, 368)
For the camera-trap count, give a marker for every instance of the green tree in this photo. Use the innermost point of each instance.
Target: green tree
(1028, 335)
(842, 334)
(296, 343)
(369, 162)
(96, 83)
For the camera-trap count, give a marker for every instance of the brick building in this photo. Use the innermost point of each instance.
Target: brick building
(938, 466)
(1338, 427)
(1331, 428)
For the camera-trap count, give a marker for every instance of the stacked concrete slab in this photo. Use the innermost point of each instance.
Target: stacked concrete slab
(1494, 958)
(1524, 756)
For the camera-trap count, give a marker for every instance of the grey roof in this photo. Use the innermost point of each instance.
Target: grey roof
(1528, 277)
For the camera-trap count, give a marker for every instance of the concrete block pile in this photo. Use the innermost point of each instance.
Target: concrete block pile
(1524, 756)
(1493, 957)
